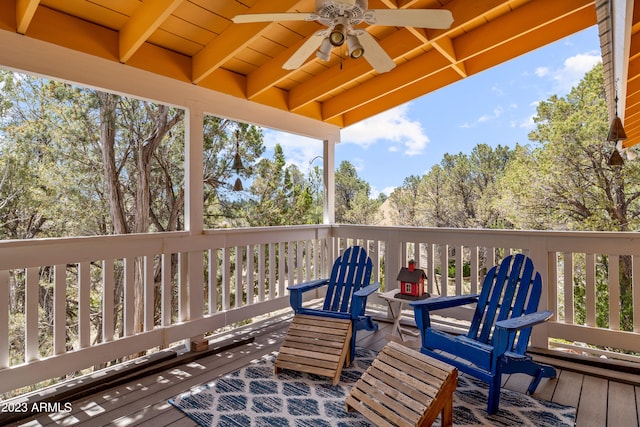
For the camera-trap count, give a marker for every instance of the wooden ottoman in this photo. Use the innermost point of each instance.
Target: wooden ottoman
(404, 387)
(317, 345)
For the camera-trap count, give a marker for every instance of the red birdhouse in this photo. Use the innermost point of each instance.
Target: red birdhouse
(411, 280)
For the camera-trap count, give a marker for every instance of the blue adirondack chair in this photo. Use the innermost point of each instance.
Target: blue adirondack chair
(347, 292)
(496, 343)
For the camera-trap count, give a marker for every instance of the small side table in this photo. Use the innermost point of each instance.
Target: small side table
(395, 308)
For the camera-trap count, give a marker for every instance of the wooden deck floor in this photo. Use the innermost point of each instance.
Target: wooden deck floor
(143, 402)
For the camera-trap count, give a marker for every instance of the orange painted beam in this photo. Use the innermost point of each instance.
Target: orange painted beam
(234, 38)
(530, 41)
(438, 80)
(529, 17)
(78, 34)
(420, 68)
(25, 9)
(144, 22)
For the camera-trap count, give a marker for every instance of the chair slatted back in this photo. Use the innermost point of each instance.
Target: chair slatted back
(351, 271)
(510, 289)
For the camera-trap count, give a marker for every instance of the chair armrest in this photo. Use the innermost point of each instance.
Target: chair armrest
(307, 286)
(422, 308)
(367, 290)
(444, 302)
(524, 321)
(359, 300)
(296, 291)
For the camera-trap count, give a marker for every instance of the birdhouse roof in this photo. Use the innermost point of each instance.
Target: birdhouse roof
(411, 276)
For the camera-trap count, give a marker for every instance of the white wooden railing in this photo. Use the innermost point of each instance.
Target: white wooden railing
(194, 285)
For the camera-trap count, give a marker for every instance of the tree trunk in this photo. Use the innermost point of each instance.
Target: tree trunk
(107, 145)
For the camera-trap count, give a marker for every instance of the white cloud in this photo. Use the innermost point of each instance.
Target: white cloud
(572, 71)
(497, 112)
(388, 190)
(392, 126)
(298, 150)
(542, 71)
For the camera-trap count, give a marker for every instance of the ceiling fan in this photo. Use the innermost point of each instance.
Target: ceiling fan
(341, 18)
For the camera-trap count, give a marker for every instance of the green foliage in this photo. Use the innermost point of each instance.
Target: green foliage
(281, 194)
(461, 191)
(451, 269)
(353, 202)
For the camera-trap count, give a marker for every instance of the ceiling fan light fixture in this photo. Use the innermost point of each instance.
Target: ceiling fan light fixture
(324, 52)
(338, 35)
(355, 48)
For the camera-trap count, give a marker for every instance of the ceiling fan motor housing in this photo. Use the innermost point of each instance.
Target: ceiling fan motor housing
(331, 9)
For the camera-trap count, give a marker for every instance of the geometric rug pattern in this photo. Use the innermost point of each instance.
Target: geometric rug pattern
(255, 396)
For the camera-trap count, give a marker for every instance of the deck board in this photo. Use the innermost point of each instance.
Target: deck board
(593, 406)
(144, 402)
(621, 396)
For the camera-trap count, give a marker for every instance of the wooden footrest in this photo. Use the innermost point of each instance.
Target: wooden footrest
(317, 345)
(404, 387)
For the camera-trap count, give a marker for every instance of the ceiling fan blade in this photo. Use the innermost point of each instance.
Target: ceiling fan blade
(349, 2)
(375, 54)
(421, 18)
(308, 47)
(271, 17)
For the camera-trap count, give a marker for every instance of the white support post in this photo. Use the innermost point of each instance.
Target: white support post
(329, 199)
(193, 287)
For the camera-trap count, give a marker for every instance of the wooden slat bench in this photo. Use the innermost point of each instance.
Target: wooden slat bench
(317, 345)
(404, 387)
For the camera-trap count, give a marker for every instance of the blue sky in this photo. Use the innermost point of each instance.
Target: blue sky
(494, 107)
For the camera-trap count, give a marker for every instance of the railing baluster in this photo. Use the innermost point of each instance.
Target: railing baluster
(282, 256)
(459, 269)
(300, 260)
(59, 309)
(108, 315)
(129, 264)
(32, 295)
(475, 268)
(272, 270)
(251, 287)
(183, 288)
(84, 306)
(149, 290)
(308, 261)
(226, 279)
(590, 268)
(568, 288)
(614, 292)
(444, 269)
(431, 268)
(4, 319)
(238, 286)
(552, 284)
(291, 263)
(262, 265)
(166, 309)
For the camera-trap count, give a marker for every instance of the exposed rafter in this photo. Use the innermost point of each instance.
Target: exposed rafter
(147, 18)
(24, 13)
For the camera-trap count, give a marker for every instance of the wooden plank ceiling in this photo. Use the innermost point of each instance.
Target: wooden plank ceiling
(195, 41)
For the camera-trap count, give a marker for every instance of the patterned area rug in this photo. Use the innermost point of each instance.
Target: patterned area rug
(254, 396)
